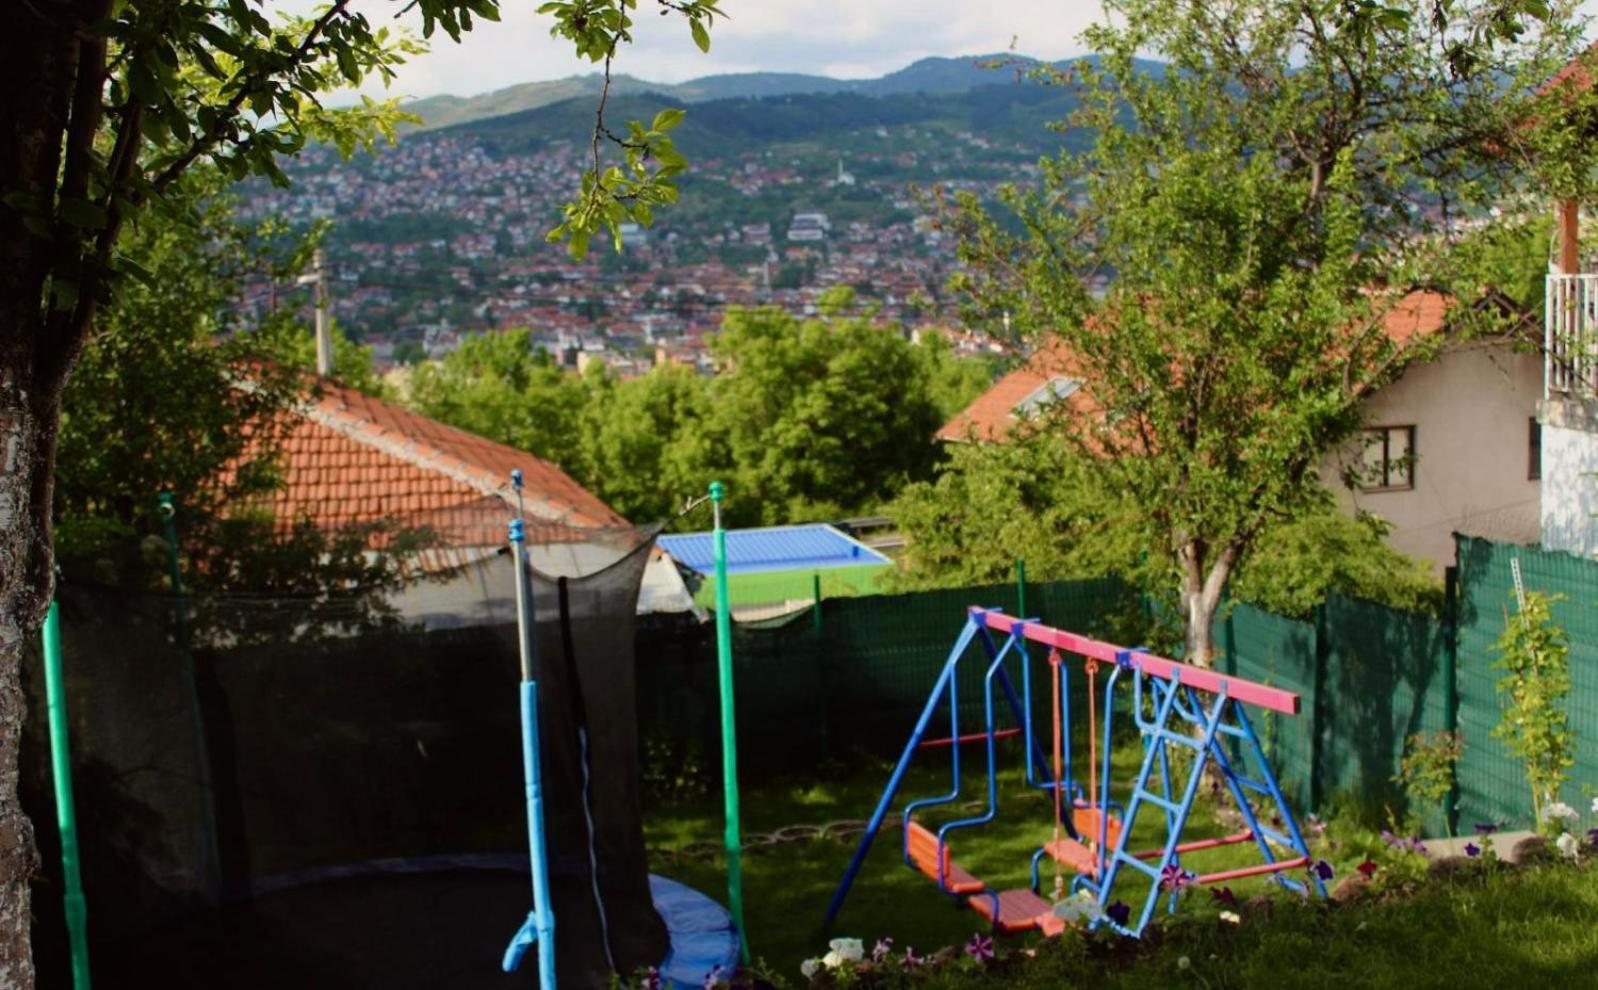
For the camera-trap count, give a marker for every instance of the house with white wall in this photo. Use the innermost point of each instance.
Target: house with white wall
(1451, 445)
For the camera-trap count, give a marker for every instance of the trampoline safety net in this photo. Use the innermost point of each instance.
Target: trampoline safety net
(228, 748)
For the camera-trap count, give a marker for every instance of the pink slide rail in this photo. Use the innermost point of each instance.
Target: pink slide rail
(1237, 688)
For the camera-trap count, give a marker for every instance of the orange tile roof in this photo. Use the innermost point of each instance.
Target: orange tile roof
(991, 416)
(350, 458)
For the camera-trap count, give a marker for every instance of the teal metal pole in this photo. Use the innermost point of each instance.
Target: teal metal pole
(210, 866)
(77, 911)
(729, 723)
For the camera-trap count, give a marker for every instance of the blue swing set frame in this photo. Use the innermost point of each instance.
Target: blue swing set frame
(1175, 693)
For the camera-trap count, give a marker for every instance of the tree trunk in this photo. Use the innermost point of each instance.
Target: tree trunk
(1201, 597)
(19, 613)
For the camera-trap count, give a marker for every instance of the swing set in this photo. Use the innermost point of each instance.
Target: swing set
(1172, 704)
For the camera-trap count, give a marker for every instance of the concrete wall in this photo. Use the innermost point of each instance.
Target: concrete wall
(1471, 409)
(1570, 477)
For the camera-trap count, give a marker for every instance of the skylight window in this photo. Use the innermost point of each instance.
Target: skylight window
(1052, 391)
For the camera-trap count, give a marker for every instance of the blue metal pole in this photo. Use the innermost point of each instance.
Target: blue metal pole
(540, 924)
(944, 679)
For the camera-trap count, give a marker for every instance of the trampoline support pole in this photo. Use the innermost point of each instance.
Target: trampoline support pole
(729, 732)
(76, 910)
(539, 928)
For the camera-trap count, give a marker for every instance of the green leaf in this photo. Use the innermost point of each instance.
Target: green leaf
(701, 36)
(81, 213)
(666, 119)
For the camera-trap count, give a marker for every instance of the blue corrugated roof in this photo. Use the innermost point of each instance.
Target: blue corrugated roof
(773, 548)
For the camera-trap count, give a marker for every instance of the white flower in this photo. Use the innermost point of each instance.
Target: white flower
(809, 968)
(1184, 962)
(1595, 805)
(1568, 845)
(847, 949)
(1231, 917)
(1081, 907)
(1560, 809)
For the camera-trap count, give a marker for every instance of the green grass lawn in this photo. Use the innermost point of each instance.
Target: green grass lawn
(787, 886)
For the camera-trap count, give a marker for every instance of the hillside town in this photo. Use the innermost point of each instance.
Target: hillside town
(438, 237)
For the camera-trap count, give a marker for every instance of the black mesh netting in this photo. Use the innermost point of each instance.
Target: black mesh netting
(230, 750)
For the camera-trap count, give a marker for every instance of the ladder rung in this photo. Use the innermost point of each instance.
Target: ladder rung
(1141, 866)
(1180, 739)
(1277, 837)
(1157, 801)
(1231, 730)
(1252, 785)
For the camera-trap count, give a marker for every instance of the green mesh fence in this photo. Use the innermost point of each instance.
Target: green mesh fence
(1268, 648)
(1382, 683)
(851, 675)
(1492, 784)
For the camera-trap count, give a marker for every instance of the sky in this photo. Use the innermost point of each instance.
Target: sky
(840, 38)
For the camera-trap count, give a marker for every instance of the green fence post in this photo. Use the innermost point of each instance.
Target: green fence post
(1451, 683)
(1020, 587)
(818, 644)
(729, 732)
(210, 859)
(1317, 781)
(76, 910)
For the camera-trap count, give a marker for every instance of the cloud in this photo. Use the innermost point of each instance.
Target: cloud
(828, 37)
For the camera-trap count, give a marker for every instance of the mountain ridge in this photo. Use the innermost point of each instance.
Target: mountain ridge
(930, 75)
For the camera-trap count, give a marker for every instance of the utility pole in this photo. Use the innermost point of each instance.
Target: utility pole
(317, 279)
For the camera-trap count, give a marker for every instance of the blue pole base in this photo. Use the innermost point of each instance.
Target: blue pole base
(524, 937)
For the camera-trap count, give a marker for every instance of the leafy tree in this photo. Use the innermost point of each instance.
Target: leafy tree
(1036, 497)
(643, 444)
(813, 418)
(108, 106)
(1262, 203)
(498, 386)
(154, 404)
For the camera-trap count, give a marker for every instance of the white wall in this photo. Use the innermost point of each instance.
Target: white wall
(1570, 487)
(1471, 409)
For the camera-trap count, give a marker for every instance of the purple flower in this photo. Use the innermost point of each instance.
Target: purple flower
(1315, 825)
(651, 979)
(911, 960)
(1486, 828)
(1322, 869)
(1366, 868)
(1417, 846)
(881, 950)
(1472, 850)
(1173, 877)
(1223, 895)
(1592, 836)
(980, 948)
(1119, 913)
(1394, 841)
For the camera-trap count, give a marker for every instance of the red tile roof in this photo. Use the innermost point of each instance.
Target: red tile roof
(350, 458)
(991, 416)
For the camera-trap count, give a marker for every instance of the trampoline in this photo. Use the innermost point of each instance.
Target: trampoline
(321, 792)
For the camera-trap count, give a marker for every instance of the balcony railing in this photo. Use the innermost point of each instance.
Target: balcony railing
(1570, 337)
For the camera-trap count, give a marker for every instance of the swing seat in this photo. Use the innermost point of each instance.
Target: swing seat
(926, 854)
(1086, 820)
(1078, 855)
(1018, 910)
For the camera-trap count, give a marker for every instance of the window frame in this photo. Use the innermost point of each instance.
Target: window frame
(1386, 483)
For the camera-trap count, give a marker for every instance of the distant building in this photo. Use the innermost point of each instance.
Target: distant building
(809, 227)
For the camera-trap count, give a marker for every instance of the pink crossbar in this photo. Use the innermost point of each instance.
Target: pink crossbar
(1241, 689)
(970, 738)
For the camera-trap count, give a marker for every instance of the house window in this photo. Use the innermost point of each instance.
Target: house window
(1052, 391)
(1387, 461)
(1534, 450)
